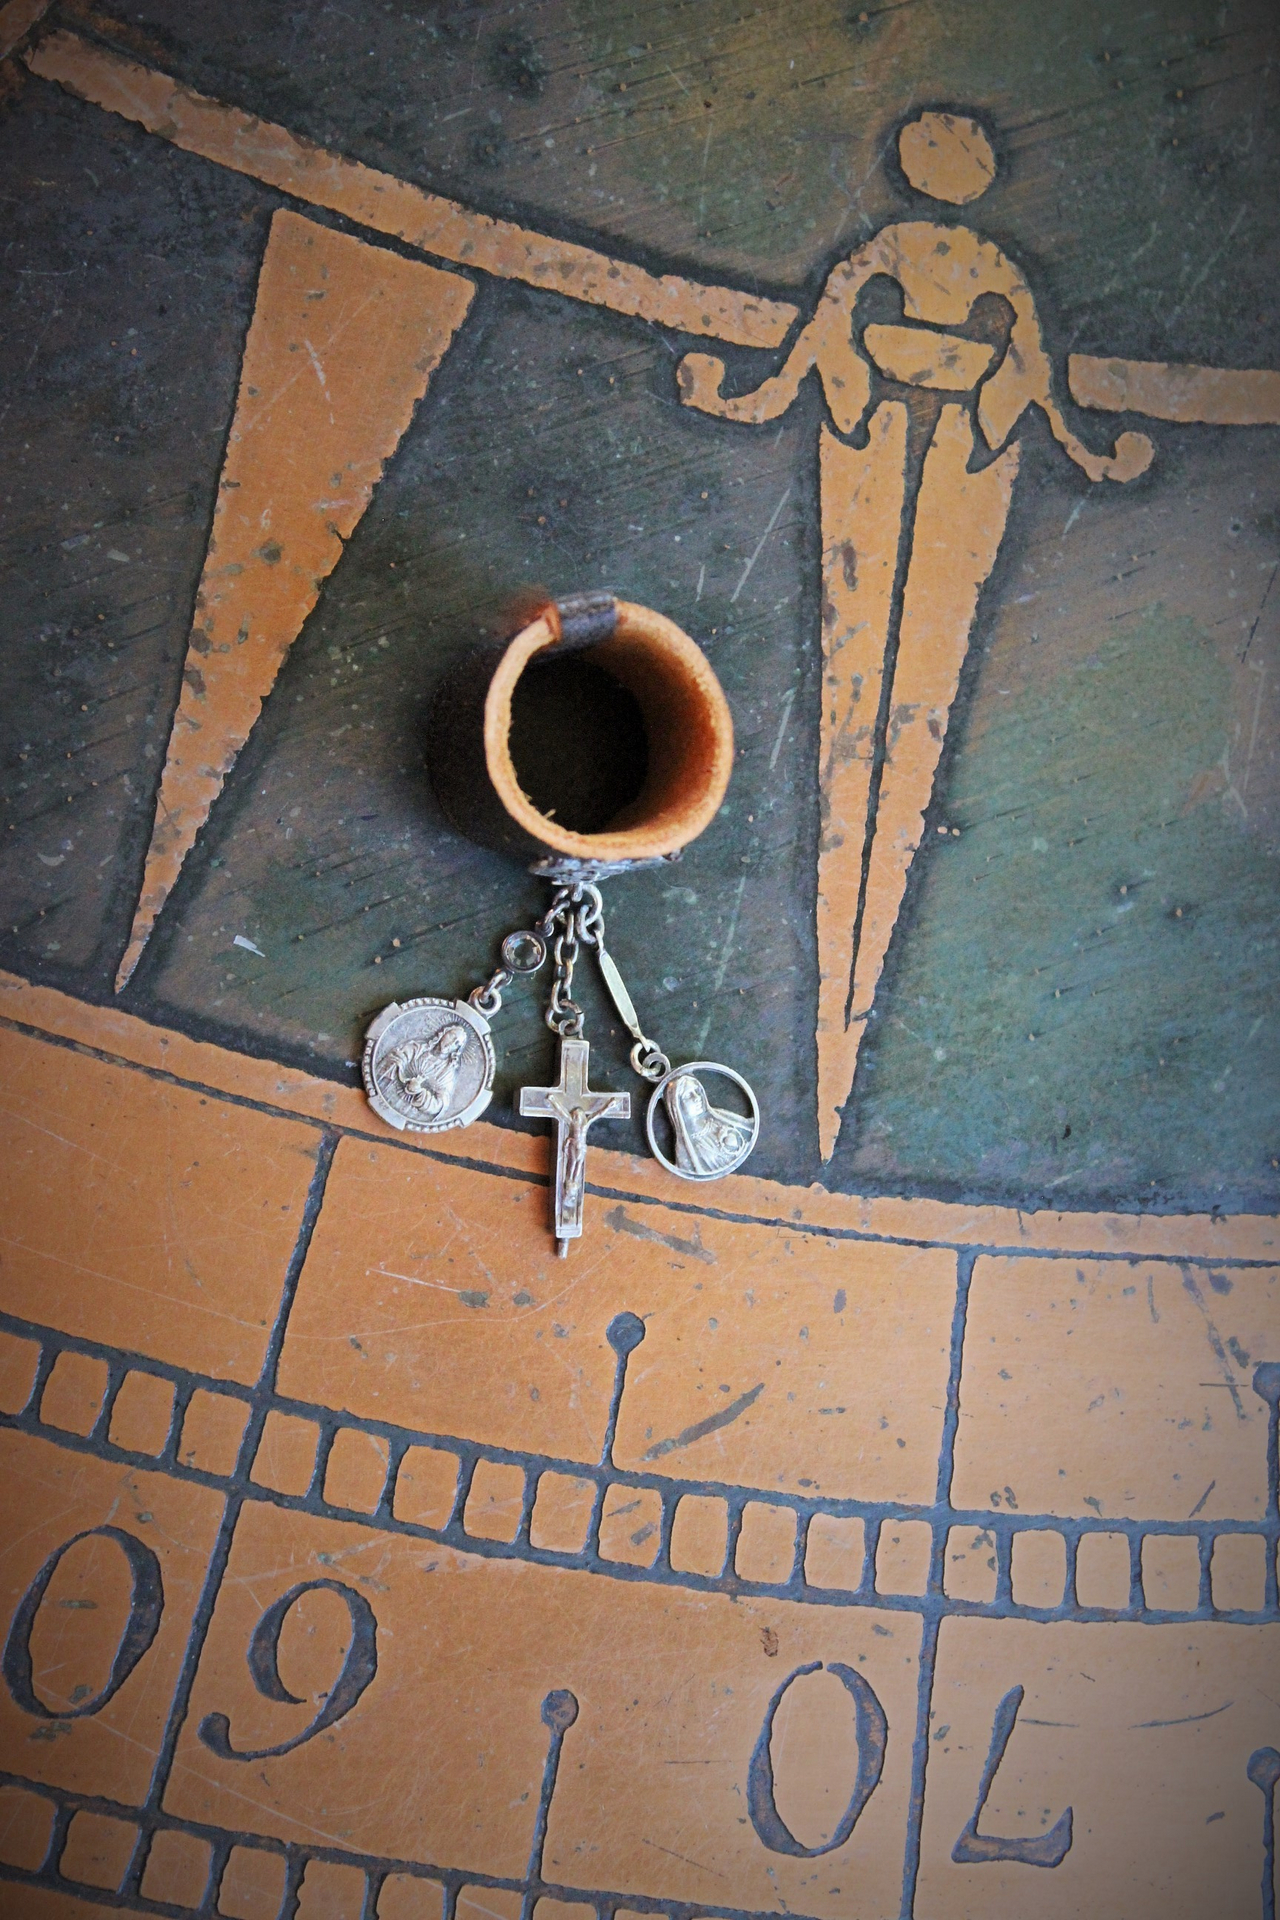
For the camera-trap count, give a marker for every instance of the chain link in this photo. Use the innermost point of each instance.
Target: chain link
(564, 1015)
(574, 919)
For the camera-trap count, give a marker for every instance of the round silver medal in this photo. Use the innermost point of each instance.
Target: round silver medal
(706, 1141)
(428, 1065)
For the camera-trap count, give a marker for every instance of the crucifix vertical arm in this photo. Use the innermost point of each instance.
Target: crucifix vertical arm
(574, 1108)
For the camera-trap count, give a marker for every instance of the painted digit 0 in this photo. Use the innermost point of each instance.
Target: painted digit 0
(146, 1604)
(872, 1737)
(358, 1668)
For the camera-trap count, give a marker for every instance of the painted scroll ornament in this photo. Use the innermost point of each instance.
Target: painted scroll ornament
(429, 1063)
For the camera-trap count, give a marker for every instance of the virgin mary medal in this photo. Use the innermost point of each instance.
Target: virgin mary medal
(428, 1065)
(707, 1141)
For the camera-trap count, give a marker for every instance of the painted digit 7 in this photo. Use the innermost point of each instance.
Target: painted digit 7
(1037, 1850)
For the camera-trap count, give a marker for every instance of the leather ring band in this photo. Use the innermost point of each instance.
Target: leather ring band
(687, 724)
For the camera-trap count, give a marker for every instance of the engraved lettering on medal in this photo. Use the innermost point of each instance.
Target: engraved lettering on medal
(359, 1665)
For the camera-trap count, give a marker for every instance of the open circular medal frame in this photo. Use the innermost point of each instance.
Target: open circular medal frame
(479, 1026)
(701, 1066)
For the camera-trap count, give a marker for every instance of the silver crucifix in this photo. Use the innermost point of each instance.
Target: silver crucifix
(574, 1108)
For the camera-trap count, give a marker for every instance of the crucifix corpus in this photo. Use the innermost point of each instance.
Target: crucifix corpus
(574, 1108)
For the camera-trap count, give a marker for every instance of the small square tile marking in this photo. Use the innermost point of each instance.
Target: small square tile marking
(969, 1565)
(1102, 1571)
(177, 1869)
(252, 1884)
(426, 1487)
(766, 1547)
(630, 1525)
(331, 1891)
(26, 1822)
(1238, 1571)
(902, 1556)
(549, 1909)
(407, 1896)
(700, 1535)
(356, 1471)
(486, 1903)
(562, 1512)
(286, 1456)
(19, 1359)
(98, 1850)
(495, 1502)
(836, 1552)
(1039, 1567)
(142, 1413)
(1171, 1572)
(74, 1392)
(212, 1429)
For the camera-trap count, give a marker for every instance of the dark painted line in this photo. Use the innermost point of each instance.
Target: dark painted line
(238, 1485)
(712, 1424)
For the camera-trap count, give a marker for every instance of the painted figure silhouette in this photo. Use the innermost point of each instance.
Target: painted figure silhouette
(911, 529)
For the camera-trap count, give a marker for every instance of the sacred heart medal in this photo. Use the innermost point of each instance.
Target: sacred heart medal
(429, 1065)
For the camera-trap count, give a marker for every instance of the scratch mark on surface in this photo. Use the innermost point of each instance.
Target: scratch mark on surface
(1203, 1497)
(621, 1222)
(701, 1428)
(1141, 1726)
(787, 699)
(1209, 264)
(773, 521)
(683, 1856)
(1215, 1341)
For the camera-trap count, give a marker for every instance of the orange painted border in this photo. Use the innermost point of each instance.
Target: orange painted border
(378, 200)
(1206, 396)
(283, 1089)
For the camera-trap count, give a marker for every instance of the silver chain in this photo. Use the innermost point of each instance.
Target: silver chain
(564, 1016)
(574, 919)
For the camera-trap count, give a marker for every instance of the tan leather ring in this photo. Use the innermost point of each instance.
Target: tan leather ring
(686, 718)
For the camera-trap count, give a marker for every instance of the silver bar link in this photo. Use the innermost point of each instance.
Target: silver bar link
(647, 1058)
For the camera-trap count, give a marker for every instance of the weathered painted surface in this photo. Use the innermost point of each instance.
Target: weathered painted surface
(752, 936)
(891, 1528)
